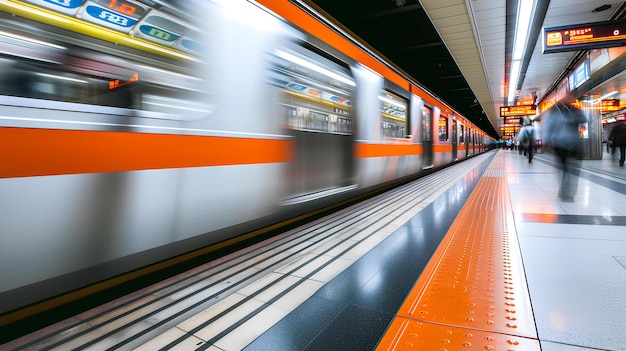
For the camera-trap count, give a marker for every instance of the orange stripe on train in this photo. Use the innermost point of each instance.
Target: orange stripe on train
(26, 152)
(387, 150)
(384, 150)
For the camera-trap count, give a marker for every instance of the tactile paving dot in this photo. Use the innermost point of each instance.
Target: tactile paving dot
(415, 335)
(477, 266)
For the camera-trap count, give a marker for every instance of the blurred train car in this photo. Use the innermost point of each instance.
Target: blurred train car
(134, 131)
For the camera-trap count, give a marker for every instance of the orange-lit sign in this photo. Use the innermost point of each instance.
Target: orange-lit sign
(509, 129)
(610, 105)
(584, 36)
(122, 7)
(116, 83)
(512, 120)
(518, 110)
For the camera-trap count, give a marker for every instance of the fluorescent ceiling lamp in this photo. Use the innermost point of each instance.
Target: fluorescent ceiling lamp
(32, 40)
(597, 101)
(169, 72)
(391, 102)
(513, 79)
(54, 76)
(304, 63)
(525, 9)
(608, 95)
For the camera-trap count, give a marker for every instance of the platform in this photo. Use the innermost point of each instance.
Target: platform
(357, 279)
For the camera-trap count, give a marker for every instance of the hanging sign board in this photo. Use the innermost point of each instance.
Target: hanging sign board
(610, 105)
(518, 110)
(512, 121)
(584, 36)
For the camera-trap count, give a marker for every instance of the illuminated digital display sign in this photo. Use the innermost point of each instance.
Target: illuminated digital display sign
(584, 36)
(512, 120)
(518, 110)
(610, 105)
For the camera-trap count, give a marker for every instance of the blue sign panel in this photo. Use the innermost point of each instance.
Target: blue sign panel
(193, 46)
(580, 75)
(296, 86)
(68, 7)
(109, 18)
(158, 33)
(68, 4)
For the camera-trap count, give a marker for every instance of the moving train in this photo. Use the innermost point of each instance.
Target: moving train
(133, 131)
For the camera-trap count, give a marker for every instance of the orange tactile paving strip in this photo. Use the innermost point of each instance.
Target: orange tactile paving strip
(472, 295)
(410, 334)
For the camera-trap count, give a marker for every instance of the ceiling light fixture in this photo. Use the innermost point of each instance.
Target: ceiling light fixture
(605, 96)
(525, 9)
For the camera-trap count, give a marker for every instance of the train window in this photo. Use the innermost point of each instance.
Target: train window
(461, 133)
(48, 82)
(48, 63)
(33, 81)
(443, 128)
(426, 123)
(316, 97)
(393, 110)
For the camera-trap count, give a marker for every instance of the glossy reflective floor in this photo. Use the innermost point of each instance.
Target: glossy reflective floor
(338, 283)
(574, 252)
(353, 310)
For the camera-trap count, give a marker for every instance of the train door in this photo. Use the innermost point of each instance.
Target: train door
(467, 143)
(427, 137)
(315, 108)
(473, 141)
(455, 156)
(462, 146)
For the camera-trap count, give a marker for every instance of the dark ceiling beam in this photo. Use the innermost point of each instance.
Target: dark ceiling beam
(451, 77)
(413, 47)
(390, 12)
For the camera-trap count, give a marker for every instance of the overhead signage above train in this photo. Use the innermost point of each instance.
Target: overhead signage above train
(518, 110)
(584, 36)
(512, 121)
(610, 105)
(133, 18)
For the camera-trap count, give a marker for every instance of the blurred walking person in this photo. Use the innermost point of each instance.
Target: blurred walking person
(527, 140)
(617, 138)
(561, 132)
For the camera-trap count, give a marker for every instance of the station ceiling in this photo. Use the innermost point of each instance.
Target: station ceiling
(461, 49)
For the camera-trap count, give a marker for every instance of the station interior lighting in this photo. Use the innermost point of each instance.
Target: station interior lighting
(606, 96)
(525, 9)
